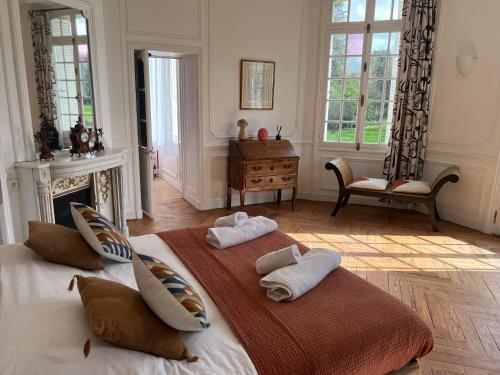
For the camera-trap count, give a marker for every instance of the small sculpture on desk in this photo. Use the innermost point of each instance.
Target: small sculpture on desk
(242, 124)
(278, 134)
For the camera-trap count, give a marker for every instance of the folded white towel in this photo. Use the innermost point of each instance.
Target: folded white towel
(234, 220)
(277, 259)
(222, 237)
(289, 283)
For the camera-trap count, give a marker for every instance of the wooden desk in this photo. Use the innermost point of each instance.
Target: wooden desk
(262, 165)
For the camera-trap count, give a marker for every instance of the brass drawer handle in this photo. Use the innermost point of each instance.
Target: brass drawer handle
(257, 168)
(272, 167)
(287, 166)
(286, 178)
(257, 180)
(271, 180)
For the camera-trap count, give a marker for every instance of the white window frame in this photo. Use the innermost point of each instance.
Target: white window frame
(328, 28)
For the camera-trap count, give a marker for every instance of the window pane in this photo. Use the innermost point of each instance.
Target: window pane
(350, 111)
(337, 66)
(70, 71)
(63, 88)
(332, 132)
(57, 54)
(55, 27)
(351, 89)
(377, 66)
(397, 10)
(68, 53)
(348, 132)
(392, 68)
(60, 71)
(71, 85)
(390, 89)
(83, 53)
(333, 111)
(383, 10)
(394, 45)
(373, 112)
(357, 11)
(338, 44)
(384, 133)
(64, 122)
(340, 10)
(370, 133)
(375, 89)
(66, 26)
(335, 89)
(64, 106)
(85, 72)
(355, 44)
(81, 25)
(380, 42)
(353, 67)
(73, 106)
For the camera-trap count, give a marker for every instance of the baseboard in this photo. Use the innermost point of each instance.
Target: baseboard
(192, 197)
(171, 180)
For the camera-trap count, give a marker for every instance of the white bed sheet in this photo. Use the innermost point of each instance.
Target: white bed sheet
(43, 326)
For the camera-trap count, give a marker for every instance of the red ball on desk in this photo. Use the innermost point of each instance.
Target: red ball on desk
(262, 134)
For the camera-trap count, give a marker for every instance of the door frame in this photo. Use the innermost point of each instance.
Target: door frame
(132, 118)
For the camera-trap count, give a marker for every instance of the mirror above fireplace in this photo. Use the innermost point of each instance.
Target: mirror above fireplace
(58, 65)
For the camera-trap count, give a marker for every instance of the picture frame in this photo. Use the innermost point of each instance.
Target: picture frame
(257, 84)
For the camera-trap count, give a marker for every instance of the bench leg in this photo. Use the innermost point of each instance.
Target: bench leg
(432, 215)
(436, 211)
(346, 199)
(339, 204)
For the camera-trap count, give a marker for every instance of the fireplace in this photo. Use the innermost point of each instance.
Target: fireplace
(95, 180)
(62, 211)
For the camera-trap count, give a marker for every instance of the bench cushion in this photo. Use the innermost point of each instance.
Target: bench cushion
(411, 187)
(368, 183)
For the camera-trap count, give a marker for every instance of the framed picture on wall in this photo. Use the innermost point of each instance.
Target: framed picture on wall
(257, 84)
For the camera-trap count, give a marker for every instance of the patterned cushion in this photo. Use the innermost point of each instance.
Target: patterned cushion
(101, 234)
(169, 295)
(411, 187)
(369, 183)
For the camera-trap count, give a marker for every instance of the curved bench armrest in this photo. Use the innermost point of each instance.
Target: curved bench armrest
(451, 174)
(342, 170)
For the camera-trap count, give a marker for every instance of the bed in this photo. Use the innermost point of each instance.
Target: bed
(43, 326)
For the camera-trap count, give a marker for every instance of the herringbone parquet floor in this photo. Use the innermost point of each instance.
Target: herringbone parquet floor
(451, 278)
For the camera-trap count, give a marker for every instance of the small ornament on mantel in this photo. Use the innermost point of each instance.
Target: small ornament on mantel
(98, 146)
(242, 124)
(43, 143)
(263, 134)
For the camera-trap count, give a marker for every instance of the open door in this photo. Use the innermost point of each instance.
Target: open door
(146, 155)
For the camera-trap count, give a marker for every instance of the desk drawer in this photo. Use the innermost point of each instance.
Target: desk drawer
(273, 180)
(284, 166)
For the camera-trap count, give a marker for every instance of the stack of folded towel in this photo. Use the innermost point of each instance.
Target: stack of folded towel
(237, 228)
(290, 275)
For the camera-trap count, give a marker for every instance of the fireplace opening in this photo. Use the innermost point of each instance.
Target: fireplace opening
(62, 211)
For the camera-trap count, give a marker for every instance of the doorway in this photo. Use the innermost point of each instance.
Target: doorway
(159, 127)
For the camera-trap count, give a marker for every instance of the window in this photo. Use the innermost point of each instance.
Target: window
(363, 47)
(70, 58)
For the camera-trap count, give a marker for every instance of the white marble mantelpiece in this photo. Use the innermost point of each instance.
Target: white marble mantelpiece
(41, 181)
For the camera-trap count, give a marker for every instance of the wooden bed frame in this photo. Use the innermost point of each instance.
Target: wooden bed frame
(344, 176)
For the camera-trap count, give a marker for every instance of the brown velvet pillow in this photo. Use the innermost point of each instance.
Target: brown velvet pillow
(62, 245)
(119, 315)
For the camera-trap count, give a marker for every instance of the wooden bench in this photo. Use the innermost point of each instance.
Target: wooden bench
(345, 178)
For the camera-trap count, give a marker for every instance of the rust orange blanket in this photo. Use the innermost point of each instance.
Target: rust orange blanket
(345, 325)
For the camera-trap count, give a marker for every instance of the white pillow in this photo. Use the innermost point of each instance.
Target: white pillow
(369, 183)
(169, 295)
(411, 187)
(101, 234)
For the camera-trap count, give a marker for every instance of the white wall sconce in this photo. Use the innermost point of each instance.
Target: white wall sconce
(466, 64)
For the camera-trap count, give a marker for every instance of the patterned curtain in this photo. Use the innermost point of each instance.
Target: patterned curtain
(44, 71)
(406, 151)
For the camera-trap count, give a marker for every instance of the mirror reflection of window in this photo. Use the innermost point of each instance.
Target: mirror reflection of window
(70, 58)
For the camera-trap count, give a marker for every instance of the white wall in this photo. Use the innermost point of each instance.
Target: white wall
(463, 130)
